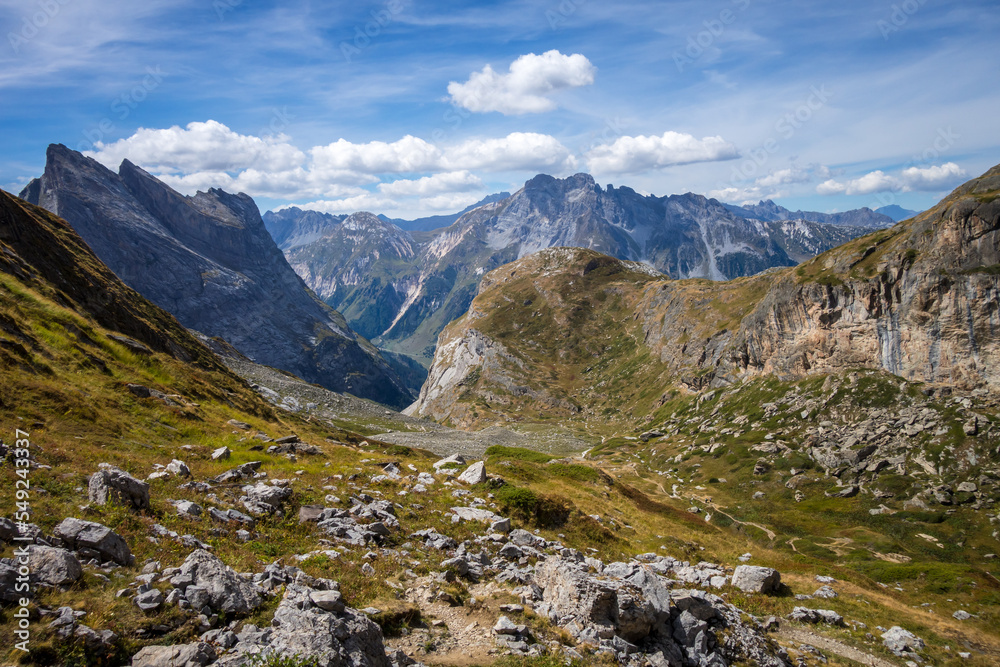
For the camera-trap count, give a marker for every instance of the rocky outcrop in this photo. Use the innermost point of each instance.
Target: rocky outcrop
(205, 579)
(628, 610)
(92, 539)
(209, 261)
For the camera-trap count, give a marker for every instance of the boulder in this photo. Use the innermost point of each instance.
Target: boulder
(756, 579)
(474, 474)
(79, 534)
(53, 566)
(901, 642)
(8, 582)
(225, 591)
(149, 600)
(264, 498)
(805, 615)
(476, 514)
(221, 454)
(180, 655)
(113, 485)
(453, 460)
(179, 468)
(334, 637)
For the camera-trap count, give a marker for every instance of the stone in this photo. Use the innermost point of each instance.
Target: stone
(53, 566)
(226, 591)
(756, 579)
(505, 626)
(475, 514)
(188, 508)
(453, 460)
(344, 638)
(961, 615)
(825, 592)
(221, 454)
(500, 526)
(149, 600)
(179, 655)
(113, 485)
(78, 534)
(179, 468)
(901, 641)
(474, 474)
(967, 487)
(327, 600)
(243, 426)
(265, 498)
(826, 616)
(310, 513)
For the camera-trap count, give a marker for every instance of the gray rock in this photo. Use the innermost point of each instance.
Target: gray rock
(264, 498)
(453, 460)
(221, 454)
(180, 655)
(243, 426)
(188, 508)
(327, 600)
(79, 534)
(113, 485)
(476, 514)
(179, 468)
(500, 526)
(825, 592)
(149, 600)
(756, 579)
(8, 582)
(961, 615)
(901, 642)
(56, 567)
(474, 474)
(345, 638)
(226, 591)
(805, 615)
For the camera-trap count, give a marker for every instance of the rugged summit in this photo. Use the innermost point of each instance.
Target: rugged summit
(573, 330)
(400, 289)
(769, 211)
(209, 261)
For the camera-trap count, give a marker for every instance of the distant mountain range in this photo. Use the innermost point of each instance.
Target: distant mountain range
(897, 213)
(400, 288)
(438, 221)
(210, 262)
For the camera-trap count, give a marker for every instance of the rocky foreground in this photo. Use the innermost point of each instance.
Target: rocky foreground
(650, 610)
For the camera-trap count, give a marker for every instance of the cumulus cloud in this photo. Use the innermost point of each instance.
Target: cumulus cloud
(517, 151)
(642, 153)
(452, 181)
(934, 177)
(526, 86)
(207, 146)
(409, 154)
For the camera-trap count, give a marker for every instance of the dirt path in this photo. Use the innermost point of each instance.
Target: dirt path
(771, 535)
(803, 636)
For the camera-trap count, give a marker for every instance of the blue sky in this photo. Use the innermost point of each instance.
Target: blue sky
(413, 108)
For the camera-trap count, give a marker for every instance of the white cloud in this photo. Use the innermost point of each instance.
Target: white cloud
(207, 146)
(517, 151)
(364, 202)
(526, 86)
(409, 154)
(635, 154)
(451, 181)
(934, 177)
(784, 177)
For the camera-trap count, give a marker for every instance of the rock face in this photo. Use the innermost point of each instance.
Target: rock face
(917, 300)
(111, 484)
(218, 585)
(629, 609)
(181, 655)
(311, 621)
(209, 261)
(401, 289)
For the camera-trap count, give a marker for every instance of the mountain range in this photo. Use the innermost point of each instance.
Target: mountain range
(572, 331)
(400, 288)
(209, 261)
